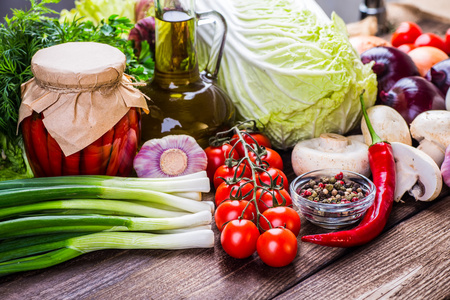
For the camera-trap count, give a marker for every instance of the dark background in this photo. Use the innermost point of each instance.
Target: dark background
(6, 5)
(346, 9)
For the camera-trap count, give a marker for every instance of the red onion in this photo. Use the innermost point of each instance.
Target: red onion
(413, 95)
(390, 65)
(144, 30)
(439, 75)
(445, 167)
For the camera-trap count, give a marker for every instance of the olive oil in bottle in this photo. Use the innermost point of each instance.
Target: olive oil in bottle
(183, 100)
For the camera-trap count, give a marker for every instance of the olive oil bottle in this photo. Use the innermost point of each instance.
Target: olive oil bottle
(183, 99)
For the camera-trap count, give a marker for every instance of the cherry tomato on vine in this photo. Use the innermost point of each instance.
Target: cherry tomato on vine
(281, 216)
(226, 172)
(265, 198)
(232, 210)
(216, 157)
(406, 33)
(270, 156)
(250, 138)
(239, 238)
(272, 175)
(238, 190)
(277, 247)
(430, 39)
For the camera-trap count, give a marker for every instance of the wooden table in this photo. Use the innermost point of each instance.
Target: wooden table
(409, 260)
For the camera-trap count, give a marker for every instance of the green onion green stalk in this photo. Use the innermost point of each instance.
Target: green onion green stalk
(45, 221)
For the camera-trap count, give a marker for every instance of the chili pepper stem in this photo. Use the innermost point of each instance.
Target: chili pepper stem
(375, 137)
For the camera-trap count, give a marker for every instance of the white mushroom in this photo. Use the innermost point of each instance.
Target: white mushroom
(330, 151)
(416, 173)
(432, 130)
(447, 100)
(388, 124)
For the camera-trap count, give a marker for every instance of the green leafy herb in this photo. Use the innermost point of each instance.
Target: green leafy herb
(29, 31)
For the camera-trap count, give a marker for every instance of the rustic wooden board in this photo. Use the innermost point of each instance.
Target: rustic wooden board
(412, 261)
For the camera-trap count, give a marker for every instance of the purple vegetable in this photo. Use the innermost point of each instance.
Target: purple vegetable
(141, 9)
(413, 95)
(439, 75)
(445, 167)
(390, 65)
(144, 30)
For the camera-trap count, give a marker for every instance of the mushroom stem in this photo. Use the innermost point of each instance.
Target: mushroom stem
(434, 150)
(332, 141)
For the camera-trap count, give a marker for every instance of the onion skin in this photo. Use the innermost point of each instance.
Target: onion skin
(439, 75)
(362, 43)
(413, 95)
(425, 57)
(445, 167)
(390, 66)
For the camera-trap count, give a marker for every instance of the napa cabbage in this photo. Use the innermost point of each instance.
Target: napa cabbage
(290, 66)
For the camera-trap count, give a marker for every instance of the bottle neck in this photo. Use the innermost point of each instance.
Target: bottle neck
(175, 53)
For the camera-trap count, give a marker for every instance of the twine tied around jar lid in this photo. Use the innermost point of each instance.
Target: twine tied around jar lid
(81, 90)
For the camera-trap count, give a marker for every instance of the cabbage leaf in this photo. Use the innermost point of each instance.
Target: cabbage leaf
(290, 66)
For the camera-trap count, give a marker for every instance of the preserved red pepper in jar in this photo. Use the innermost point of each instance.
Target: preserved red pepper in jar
(80, 114)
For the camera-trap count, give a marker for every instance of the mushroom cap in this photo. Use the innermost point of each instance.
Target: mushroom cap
(388, 124)
(330, 151)
(416, 173)
(432, 125)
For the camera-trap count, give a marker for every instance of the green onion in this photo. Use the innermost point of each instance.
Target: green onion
(109, 206)
(197, 182)
(73, 247)
(130, 223)
(49, 220)
(19, 196)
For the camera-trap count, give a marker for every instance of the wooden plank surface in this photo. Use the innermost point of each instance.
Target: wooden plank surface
(412, 261)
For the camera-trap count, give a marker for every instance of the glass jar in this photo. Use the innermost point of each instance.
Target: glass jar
(80, 115)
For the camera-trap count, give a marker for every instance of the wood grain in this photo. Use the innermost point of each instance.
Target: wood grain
(412, 261)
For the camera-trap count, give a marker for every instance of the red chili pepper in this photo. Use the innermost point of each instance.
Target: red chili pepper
(382, 165)
(71, 164)
(32, 157)
(39, 143)
(120, 139)
(92, 158)
(107, 140)
(57, 155)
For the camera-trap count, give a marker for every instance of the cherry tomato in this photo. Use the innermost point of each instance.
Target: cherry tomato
(265, 198)
(237, 190)
(277, 247)
(239, 238)
(226, 172)
(273, 175)
(447, 42)
(430, 39)
(250, 138)
(406, 33)
(406, 47)
(216, 157)
(232, 210)
(281, 216)
(270, 156)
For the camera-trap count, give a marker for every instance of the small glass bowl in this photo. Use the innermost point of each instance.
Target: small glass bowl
(328, 215)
